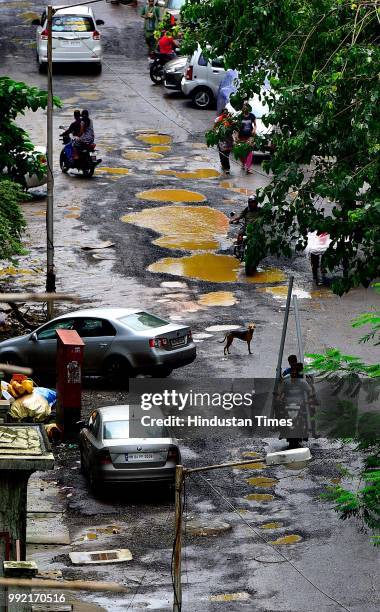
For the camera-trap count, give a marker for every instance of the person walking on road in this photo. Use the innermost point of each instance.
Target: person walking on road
(227, 142)
(151, 15)
(246, 133)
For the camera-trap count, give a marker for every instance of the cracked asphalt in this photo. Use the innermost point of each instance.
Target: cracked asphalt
(235, 570)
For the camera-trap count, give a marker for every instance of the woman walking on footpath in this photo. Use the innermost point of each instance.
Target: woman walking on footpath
(246, 133)
(226, 142)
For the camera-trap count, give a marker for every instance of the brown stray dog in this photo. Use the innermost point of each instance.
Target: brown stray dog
(245, 335)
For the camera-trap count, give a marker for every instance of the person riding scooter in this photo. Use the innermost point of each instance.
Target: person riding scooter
(86, 137)
(250, 214)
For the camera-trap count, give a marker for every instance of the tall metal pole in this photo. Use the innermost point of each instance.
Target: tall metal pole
(284, 328)
(298, 329)
(179, 475)
(50, 271)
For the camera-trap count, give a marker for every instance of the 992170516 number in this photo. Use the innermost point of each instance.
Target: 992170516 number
(36, 598)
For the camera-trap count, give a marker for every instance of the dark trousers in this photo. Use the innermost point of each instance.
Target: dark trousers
(315, 261)
(224, 157)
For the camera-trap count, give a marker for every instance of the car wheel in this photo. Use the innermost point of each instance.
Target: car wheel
(117, 371)
(202, 98)
(156, 73)
(161, 372)
(98, 69)
(63, 163)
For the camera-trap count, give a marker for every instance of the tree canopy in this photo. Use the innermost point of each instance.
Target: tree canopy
(16, 148)
(322, 59)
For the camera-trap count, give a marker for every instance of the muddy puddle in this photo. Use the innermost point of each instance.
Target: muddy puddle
(218, 298)
(260, 497)
(213, 268)
(189, 228)
(160, 149)
(137, 155)
(288, 539)
(115, 171)
(274, 525)
(155, 139)
(200, 173)
(171, 195)
(262, 481)
(248, 454)
(251, 466)
(281, 293)
(28, 15)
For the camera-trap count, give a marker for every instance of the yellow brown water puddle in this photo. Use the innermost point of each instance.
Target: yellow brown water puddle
(260, 497)
(160, 148)
(202, 266)
(116, 171)
(288, 539)
(324, 292)
(213, 268)
(217, 298)
(282, 292)
(242, 190)
(12, 271)
(72, 216)
(200, 173)
(262, 481)
(90, 95)
(224, 597)
(251, 454)
(198, 145)
(171, 195)
(28, 15)
(226, 184)
(136, 155)
(155, 139)
(189, 228)
(274, 525)
(251, 466)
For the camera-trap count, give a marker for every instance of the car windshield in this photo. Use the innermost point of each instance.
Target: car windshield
(175, 4)
(72, 23)
(140, 321)
(119, 430)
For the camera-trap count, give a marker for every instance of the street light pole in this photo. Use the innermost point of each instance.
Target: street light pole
(50, 271)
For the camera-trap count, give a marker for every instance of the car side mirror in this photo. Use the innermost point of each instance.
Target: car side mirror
(61, 127)
(36, 22)
(80, 424)
(33, 337)
(99, 22)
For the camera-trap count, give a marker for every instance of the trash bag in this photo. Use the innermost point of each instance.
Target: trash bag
(49, 394)
(32, 407)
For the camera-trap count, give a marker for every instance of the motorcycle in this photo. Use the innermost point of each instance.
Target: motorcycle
(86, 161)
(156, 70)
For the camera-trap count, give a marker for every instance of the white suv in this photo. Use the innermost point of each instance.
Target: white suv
(202, 78)
(75, 37)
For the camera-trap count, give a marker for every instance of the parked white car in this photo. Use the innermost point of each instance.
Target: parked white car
(202, 78)
(75, 37)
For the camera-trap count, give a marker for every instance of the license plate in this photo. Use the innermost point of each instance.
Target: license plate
(177, 341)
(70, 43)
(138, 456)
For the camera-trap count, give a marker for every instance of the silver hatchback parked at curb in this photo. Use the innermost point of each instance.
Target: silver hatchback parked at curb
(119, 343)
(111, 453)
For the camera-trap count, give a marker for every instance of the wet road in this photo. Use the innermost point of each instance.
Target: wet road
(160, 262)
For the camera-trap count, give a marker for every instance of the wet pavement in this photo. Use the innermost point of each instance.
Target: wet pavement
(152, 140)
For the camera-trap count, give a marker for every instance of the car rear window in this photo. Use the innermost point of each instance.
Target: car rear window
(139, 321)
(72, 23)
(118, 430)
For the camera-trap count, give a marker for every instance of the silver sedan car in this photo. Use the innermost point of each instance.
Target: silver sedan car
(111, 453)
(119, 343)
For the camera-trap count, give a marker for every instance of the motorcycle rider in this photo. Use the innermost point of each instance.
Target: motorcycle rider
(74, 127)
(250, 214)
(86, 137)
(167, 45)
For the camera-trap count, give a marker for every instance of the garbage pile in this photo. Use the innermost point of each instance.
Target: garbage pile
(28, 402)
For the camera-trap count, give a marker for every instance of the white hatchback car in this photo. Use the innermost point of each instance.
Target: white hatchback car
(75, 37)
(202, 78)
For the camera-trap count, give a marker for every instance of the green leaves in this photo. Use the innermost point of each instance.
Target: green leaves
(12, 222)
(322, 60)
